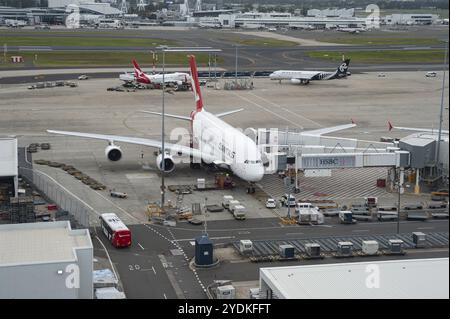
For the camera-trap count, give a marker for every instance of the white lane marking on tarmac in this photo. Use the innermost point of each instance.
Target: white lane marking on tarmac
(267, 110)
(212, 238)
(360, 230)
(284, 109)
(154, 271)
(425, 227)
(141, 246)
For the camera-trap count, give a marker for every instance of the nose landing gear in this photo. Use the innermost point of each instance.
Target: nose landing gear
(251, 188)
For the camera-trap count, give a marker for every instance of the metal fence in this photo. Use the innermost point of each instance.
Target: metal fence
(52, 191)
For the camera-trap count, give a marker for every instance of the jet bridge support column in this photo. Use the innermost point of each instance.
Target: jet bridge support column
(417, 186)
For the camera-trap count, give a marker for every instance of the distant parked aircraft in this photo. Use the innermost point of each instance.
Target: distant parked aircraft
(303, 77)
(139, 76)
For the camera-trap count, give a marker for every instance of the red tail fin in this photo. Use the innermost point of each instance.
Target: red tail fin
(139, 74)
(390, 126)
(196, 84)
(136, 66)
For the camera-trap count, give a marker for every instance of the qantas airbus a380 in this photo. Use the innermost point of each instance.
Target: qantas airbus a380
(218, 142)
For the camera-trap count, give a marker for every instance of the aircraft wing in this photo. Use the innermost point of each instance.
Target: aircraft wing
(185, 150)
(416, 129)
(423, 130)
(228, 113)
(327, 130)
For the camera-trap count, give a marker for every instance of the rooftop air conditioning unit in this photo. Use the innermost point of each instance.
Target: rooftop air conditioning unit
(370, 247)
(226, 292)
(395, 246)
(245, 246)
(345, 248)
(419, 239)
(287, 251)
(312, 249)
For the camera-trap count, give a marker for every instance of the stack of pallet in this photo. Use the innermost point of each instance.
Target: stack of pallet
(22, 210)
(4, 193)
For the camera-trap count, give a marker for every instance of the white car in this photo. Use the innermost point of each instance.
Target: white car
(291, 202)
(271, 203)
(83, 77)
(431, 74)
(381, 75)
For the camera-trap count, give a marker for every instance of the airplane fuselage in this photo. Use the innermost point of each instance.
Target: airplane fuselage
(227, 145)
(290, 75)
(177, 77)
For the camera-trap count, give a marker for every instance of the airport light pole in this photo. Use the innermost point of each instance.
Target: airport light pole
(399, 188)
(236, 65)
(165, 49)
(438, 147)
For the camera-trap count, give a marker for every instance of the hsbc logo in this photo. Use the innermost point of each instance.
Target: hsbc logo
(329, 161)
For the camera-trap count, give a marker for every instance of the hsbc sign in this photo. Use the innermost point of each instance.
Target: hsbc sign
(322, 162)
(328, 161)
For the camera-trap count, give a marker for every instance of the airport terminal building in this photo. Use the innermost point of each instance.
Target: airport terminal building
(57, 12)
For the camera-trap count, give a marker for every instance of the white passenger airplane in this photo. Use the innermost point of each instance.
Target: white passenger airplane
(352, 30)
(303, 77)
(416, 129)
(139, 76)
(218, 142)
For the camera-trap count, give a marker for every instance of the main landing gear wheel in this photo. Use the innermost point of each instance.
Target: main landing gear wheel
(196, 165)
(251, 189)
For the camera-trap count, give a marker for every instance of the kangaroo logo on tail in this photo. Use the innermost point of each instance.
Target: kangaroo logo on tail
(141, 77)
(196, 84)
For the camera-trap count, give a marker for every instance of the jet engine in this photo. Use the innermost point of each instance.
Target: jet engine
(297, 81)
(113, 153)
(169, 164)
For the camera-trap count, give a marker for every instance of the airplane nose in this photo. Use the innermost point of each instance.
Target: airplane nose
(256, 174)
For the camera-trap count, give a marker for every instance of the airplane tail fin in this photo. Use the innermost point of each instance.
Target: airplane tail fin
(342, 69)
(390, 126)
(139, 74)
(137, 68)
(196, 84)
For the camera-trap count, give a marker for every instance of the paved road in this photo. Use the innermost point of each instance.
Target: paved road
(231, 230)
(149, 269)
(72, 73)
(156, 265)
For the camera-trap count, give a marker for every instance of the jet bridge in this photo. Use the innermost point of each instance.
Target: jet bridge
(316, 152)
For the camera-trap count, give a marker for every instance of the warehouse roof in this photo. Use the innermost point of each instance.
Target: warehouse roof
(399, 279)
(41, 243)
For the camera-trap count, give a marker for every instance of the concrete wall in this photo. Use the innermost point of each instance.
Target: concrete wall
(38, 281)
(42, 281)
(85, 258)
(8, 157)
